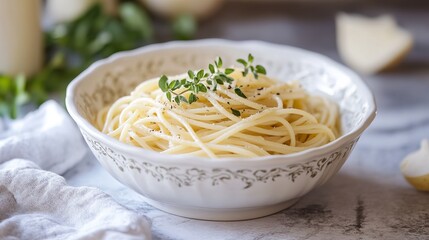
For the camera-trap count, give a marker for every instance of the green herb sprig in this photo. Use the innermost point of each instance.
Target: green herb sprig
(248, 67)
(197, 81)
(203, 81)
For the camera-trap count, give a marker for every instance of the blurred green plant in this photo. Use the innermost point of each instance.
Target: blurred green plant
(72, 47)
(184, 27)
(96, 34)
(12, 94)
(75, 45)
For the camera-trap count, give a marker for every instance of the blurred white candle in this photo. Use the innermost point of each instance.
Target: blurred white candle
(21, 38)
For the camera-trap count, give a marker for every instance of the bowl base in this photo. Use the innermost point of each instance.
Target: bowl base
(222, 214)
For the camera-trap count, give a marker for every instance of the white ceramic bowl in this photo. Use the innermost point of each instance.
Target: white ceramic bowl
(222, 189)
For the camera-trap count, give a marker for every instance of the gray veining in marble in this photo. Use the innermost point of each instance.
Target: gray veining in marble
(368, 198)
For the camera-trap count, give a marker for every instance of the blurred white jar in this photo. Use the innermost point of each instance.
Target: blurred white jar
(173, 8)
(68, 10)
(21, 43)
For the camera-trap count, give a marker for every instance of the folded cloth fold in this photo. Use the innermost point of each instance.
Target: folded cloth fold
(37, 204)
(48, 137)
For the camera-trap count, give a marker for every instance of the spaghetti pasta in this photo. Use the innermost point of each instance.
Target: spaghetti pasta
(274, 118)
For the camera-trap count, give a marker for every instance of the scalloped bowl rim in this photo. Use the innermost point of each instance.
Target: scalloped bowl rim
(179, 158)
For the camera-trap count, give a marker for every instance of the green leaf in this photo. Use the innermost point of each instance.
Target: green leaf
(183, 99)
(223, 77)
(102, 40)
(21, 96)
(219, 81)
(242, 61)
(229, 80)
(255, 74)
(245, 72)
(135, 18)
(229, 71)
(239, 92)
(168, 94)
(206, 75)
(174, 85)
(211, 68)
(209, 82)
(60, 35)
(235, 112)
(163, 84)
(13, 94)
(58, 60)
(195, 89)
(171, 85)
(250, 58)
(202, 88)
(184, 27)
(5, 85)
(191, 74)
(200, 74)
(219, 62)
(192, 98)
(183, 81)
(260, 69)
(177, 99)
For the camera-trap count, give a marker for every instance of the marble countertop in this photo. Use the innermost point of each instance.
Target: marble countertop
(368, 198)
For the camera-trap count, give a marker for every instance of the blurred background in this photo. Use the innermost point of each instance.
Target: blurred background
(45, 44)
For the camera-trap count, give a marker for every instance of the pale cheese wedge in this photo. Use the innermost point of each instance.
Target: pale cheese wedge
(370, 45)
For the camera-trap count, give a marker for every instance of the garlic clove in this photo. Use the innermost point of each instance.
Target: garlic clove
(420, 183)
(370, 45)
(415, 167)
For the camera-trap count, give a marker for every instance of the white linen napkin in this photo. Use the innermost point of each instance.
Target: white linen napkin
(38, 204)
(48, 137)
